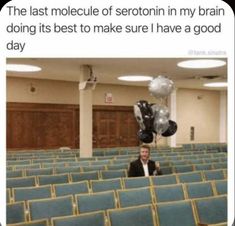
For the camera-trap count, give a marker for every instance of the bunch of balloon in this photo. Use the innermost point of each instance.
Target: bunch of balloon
(154, 118)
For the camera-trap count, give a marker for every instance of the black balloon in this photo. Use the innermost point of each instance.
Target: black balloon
(144, 115)
(145, 136)
(171, 129)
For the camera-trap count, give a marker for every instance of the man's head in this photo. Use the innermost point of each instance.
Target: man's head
(144, 152)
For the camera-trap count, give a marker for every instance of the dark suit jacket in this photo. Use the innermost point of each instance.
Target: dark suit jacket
(136, 169)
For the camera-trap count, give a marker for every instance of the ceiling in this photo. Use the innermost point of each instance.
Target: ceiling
(108, 69)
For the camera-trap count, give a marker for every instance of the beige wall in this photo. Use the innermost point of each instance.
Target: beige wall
(201, 109)
(47, 91)
(198, 108)
(61, 92)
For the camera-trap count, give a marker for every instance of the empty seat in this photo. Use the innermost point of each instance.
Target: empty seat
(132, 216)
(21, 182)
(220, 154)
(117, 166)
(36, 172)
(212, 210)
(111, 152)
(33, 223)
(165, 164)
(98, 153)
(211, 160)
(86, 160)
(100, 162)
(199, 190)
(164, 180)
(175, 213)
(71, 189)
(24, 167)
(203, 166)
(93, 168)
(106, 185)
(187, 146)
(134, 197)
(52, 165)
(183, 169)
(200, 146)
(136, 182)
(203, 156)
(71, 169)
(122, 159)
(53, 179)
(30, 193)
(65, 159)
(108, 174)
(168, 193)
(189, 157)
(16, 213)
(15, 173)
(43, 160)
(214, 175)
(175, 158)
(96, 201)
(9, 168)
(220, 165)
(223, 159)
(79, 163)
(195, 161)
(221, 186)
(84, 176)
(19, 162)
(105, 158)
(171, 153)
(167, 170)
(180, 162)
(190, 177)
(88, 219)
(48, 208)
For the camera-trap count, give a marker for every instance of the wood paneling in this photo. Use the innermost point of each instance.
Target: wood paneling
(44, 126)
(41, 126)
(114, 127)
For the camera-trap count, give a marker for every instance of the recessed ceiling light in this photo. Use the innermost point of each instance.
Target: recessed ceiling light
(135, 78)
(204, 63)
(216, 84)
(22, 68)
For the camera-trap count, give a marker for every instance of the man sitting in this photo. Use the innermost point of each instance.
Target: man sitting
(143, 166)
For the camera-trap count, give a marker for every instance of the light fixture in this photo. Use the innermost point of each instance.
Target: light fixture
(202, 63)
(22, 68)
(216, 84)
(135, 78)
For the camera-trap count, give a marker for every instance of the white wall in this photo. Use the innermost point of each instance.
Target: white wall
(200, 109)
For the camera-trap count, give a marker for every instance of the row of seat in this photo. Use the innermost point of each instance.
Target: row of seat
(205, 145)
(95, 175)
(72, 157)
(45, 163)
(109, 153)
(207, 210)
(124, 150)
(104, 185)
(87, 164)
(130, 196)
(110, 172)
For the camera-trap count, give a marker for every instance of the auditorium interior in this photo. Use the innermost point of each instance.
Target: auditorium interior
(74, 125)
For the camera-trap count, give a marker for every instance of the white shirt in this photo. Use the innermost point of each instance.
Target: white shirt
(146, 169)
